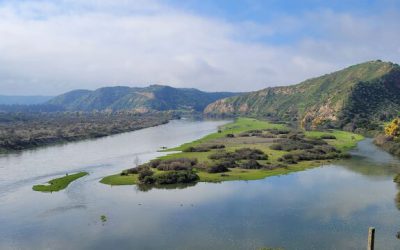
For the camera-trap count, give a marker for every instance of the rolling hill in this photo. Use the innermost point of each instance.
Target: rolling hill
(154, 97)
(358, 96)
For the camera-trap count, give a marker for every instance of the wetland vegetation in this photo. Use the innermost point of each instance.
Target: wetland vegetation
(246, 149)
(59, 183)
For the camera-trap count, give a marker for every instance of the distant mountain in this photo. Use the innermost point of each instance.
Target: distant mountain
(23, 100)
(353, 97)
(154, 97)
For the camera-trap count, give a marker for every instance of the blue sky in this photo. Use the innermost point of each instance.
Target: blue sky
(49, 47)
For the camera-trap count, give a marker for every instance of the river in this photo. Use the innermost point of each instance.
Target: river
(330, 207)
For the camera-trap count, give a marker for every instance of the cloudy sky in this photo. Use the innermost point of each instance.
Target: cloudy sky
(49, 47)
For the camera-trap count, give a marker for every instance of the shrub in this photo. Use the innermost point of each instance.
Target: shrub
(196, 149)
(174, 164)
(239, 154)
(222, 167)
(329, 137)
(144, 173)
(174, 177)
(222, 155)
(204, 148)
(275, 166)
(230, 135)
(250, 154)
(251, 164)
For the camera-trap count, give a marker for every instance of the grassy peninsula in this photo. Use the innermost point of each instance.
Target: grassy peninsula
(59, 183)
(246, 149)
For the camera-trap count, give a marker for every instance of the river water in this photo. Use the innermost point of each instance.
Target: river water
(330, 207)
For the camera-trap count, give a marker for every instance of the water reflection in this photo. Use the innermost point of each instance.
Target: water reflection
(329, 207)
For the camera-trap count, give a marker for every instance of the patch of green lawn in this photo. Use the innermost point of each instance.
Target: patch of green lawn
(59, 183)
(118, 179)
(344, 140)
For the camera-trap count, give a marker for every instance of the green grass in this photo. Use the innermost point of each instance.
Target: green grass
(344, 141)
(59, 183)
(241, 124)
(118, 179)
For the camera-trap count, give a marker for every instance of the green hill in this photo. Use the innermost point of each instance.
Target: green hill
(353, 97)
(154, 97)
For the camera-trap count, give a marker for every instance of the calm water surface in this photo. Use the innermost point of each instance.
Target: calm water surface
(330, 207)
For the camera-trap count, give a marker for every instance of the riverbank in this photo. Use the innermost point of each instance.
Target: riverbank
(247, 149)
(22, 131)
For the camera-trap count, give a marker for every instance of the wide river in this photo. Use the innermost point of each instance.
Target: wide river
(330, 207)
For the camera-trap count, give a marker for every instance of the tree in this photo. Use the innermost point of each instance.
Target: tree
(136, 161)
(393, 128)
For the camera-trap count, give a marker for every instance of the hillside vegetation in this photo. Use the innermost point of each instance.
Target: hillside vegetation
(360, 96)
(154, 97)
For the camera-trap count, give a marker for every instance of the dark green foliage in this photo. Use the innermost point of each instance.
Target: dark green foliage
(324, 152)
(174, 164)
(174, 177)
(329, 137)
(146, 176)
(249, 133)
(240, 154)
(221, 167)
(275, 131)
(250, 154)
(204, 148)
(250, 164)
(230, 135)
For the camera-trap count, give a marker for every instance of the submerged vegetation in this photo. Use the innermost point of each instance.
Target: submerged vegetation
(246, 149)
(59, 183)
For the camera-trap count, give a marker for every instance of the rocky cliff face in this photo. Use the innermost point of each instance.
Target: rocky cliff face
(349, 97)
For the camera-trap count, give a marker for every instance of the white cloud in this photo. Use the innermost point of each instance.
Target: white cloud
(49, 47)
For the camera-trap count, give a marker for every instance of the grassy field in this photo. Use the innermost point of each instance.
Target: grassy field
(59, 183)
(344, 141)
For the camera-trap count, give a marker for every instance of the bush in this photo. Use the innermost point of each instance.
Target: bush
(230, 135)
(329, 137)
(275, 166)
(175, 177)
(251, 164)
(222, 155)
(144, 174)
(204, 148)
(174, 164)
(240, 154)
(222, 167)
(250, 154)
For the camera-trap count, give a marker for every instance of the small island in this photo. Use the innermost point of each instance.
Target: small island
(246, 149)
(59, 183)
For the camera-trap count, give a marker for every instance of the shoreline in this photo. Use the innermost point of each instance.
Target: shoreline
(20, 145)
(345, 141)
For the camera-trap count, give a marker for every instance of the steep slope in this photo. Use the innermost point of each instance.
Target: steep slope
(154, 97)
(351, 97)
